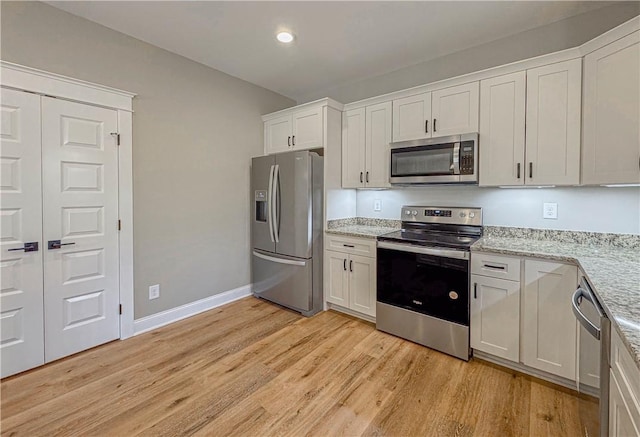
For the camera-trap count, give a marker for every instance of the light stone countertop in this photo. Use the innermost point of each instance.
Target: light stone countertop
(613, 271)
(362, 231)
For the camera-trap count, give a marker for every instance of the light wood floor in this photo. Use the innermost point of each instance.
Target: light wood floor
(251, 368)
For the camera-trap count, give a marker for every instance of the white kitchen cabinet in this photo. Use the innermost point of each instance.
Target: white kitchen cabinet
(362, 284)
(412, 117)
(448, 111)
(495, 316)
(299, 128)
(277, 134)
(553, 119)
(350, 276)
(611, 127)
(502, 133)
(353, 148)
(455, 110)
(549, 329)
(622, 420)
(366, 134)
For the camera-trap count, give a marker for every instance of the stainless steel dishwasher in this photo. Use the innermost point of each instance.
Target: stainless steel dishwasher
(593, 367)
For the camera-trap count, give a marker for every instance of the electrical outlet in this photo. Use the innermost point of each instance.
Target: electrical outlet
(154, 291)
(550, 210)
(377, 205)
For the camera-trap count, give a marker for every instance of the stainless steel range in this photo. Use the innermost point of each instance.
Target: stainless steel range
(423, 277)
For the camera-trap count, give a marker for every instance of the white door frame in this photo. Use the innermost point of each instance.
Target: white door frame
(50, 84)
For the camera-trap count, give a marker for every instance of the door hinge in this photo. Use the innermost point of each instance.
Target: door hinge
(119, 225)
(120, 308)
(117, 136)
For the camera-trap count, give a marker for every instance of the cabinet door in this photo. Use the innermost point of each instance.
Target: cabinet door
(553, 124)
(549, 326)
(307, 129)
(277, 134)
(21, 288)
(412, 117)
(362, 284)
(337, 277)
(353, 148)
(495, 317)
(502, 117)
(621, 417)
(455, 110)
(611, 132)
(378, 137)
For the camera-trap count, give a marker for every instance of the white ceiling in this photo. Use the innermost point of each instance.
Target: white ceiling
(336, 42)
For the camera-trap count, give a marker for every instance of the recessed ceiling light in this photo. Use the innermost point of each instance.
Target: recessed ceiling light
(284, 37)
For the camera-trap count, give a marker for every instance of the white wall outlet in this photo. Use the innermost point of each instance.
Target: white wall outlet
(550, 210)
(154, 291)
(377, 205)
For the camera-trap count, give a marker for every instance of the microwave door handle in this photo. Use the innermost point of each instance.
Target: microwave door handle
(456, 158)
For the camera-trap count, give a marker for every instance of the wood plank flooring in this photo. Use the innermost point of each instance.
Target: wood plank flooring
(251, 368)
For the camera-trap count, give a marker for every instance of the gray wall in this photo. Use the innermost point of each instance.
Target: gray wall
(557, 36)
(194, 132)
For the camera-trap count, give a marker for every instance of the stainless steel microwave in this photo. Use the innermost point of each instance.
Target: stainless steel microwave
(444, 160)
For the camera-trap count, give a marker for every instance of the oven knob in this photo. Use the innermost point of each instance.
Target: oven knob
(414, 212)
(407, 212)
(463, 215)
(472, 214)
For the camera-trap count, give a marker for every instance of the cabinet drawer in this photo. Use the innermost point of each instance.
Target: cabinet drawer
(352, 245)
(626, 371)
(495, 266)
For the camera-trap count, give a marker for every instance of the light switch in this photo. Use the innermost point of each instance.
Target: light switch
(550, 211)
(377, 205)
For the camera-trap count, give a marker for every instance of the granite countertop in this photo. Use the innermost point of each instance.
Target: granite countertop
(362, 227)
(610, 262)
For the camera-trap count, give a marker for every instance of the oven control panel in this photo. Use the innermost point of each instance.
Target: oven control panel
(450, 215)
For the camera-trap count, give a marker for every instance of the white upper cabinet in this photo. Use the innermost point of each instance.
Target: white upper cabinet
(412, 117)
(307, 129)
(611, 132)
(448, 111)
(277, 134)
(353, 148)
(366, 134)
(302, 127)
(502, 119)
(377, 139)
(553, 124)
(455, 110)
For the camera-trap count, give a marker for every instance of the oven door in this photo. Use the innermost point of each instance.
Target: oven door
(430, 281)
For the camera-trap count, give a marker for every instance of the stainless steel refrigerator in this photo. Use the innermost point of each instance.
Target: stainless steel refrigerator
(286, 229)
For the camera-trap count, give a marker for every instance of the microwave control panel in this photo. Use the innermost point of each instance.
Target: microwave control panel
(466, 157)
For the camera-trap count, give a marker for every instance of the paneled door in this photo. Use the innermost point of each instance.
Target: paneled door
(21, 327)
(80, 180)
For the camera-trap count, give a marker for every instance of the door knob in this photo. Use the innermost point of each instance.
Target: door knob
(56, 244)
(28, 247)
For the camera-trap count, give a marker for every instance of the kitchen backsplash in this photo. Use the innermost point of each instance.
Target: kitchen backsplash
(590, 209)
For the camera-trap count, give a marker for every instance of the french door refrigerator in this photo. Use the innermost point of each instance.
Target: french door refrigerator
(286, 229)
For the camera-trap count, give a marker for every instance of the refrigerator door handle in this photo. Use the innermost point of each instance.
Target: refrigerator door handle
(279, 260)
(270, 205)
(276, 202)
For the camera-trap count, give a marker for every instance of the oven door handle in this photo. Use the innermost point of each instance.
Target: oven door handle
(447, 253)
(584, 321)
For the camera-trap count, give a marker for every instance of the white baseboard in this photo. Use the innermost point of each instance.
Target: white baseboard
(191, 309)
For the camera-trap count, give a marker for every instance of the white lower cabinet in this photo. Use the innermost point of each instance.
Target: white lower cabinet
(621, 417)
(528, 322)
(495, 317)
(624, 391)
(549, 330)
(350, 279)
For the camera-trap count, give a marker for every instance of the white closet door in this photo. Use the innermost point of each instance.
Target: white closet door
(80, 179)
(22, 340)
